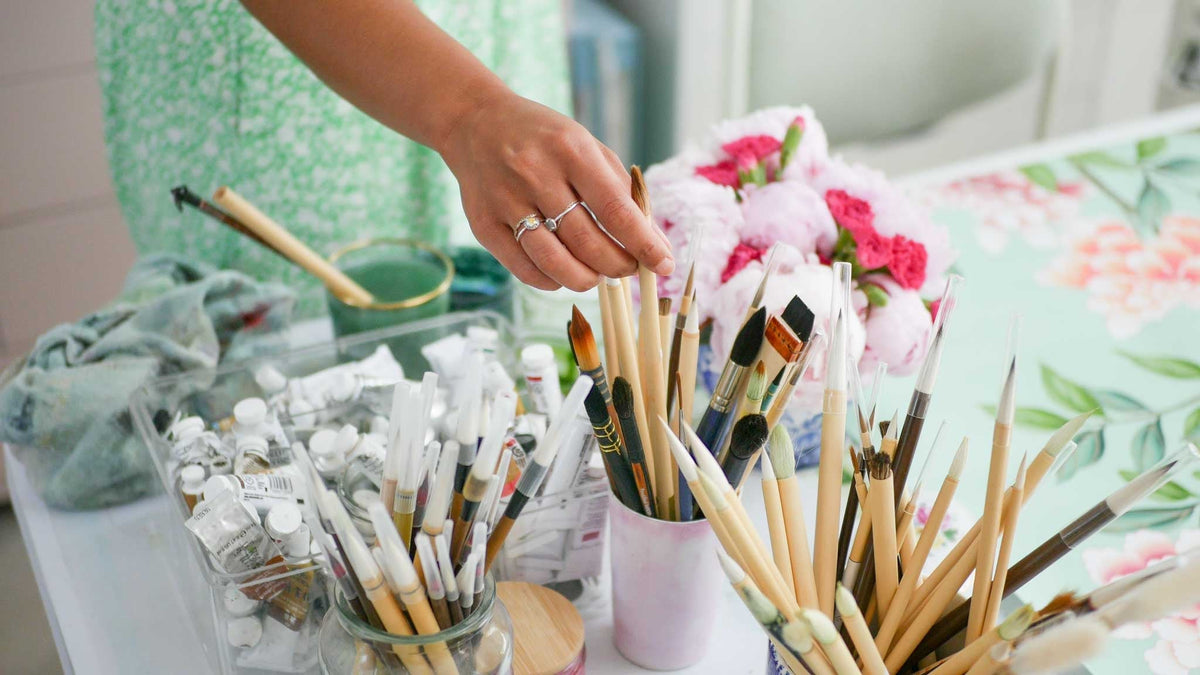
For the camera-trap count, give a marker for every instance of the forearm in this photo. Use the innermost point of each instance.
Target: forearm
(386, 58)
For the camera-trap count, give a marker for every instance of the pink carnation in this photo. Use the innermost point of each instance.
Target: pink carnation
(850, 212)
(724, 172)
(756, 147)
(790, 213)
(742, 255)
(874, 251)
(908, 262)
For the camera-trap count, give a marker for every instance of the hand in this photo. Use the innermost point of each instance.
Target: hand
(513, 157)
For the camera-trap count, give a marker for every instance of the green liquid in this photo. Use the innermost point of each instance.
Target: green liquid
(389, 280)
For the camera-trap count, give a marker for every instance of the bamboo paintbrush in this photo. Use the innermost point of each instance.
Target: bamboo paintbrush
(342, 286)
(860, 633)
(1069, 537)
(630, 372)
(718, 416)
(858, 549)
(651, 366)
(798, 369)
(1059, 649)
(768, 270)
(929, 535)
(865, 424)
(611, 361)
(994, 500)
(181, 194)
(1008, 530)
(746, 442)
(689, 354)
(665, 334)
(767, 614)
(783, 464)
(685, 306)
(833, 436)
(883, 535)
(775, 526)
(623, 402)
(1006, 632)
(536, 469)
(826, 635)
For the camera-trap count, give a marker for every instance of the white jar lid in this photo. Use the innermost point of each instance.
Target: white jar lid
(270, 379)
(323, 443)
(215, 485)
(252, 443)
(188, 427)
(244, 632)
(347, 437)
(283, 520)
(237, 603)
(537, 355)
(192, 477)
(250, 411)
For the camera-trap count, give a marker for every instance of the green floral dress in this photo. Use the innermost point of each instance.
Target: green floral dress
(198, 92)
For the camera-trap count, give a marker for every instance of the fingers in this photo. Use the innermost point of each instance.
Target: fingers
(582, 237)
(499, 240)
(553, 259)
(607, 192)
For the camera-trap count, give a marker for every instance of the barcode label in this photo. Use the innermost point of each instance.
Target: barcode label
(281, 483)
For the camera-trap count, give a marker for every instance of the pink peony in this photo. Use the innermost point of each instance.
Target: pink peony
(724, 172)
(756, 147)
(790, 213)
(898, 332)
(907, 265)
(894, 213)
(742, 255)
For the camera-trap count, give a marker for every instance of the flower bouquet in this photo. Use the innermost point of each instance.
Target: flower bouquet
(767, 180)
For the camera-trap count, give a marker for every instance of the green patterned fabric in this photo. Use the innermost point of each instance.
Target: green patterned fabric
(198, 92)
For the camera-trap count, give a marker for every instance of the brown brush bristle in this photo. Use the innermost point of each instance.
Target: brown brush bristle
(637, 189)
(880, 466)
(664, 306)
(1060, 602)
(583, 342)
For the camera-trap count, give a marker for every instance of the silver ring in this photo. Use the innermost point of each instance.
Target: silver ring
(530, 222)
(553, 223)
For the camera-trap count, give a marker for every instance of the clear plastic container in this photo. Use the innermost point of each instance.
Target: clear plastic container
(481, 644)
(211, 394)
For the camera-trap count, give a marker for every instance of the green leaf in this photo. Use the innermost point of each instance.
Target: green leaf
(1181, 167)
(1100, 158)
(1164, 365)
(876, 296)
(1170, 492)
(1148, 445)
(791, 141)
(1042, 175)
(1191, 426)
(1150, 147)
(1152, 205)
(1067, 392)
(1036, 418)
(1115, 401)
(1090, 450)
(1150, 517)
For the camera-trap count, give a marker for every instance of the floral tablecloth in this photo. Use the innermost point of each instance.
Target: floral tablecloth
(1097, 246)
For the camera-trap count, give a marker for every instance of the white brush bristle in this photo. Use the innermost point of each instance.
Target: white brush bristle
(1061, 647)
(1158, 597)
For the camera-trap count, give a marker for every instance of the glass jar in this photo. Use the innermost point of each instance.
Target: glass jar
(481, 644)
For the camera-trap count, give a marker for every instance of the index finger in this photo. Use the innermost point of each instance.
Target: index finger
(607, 194)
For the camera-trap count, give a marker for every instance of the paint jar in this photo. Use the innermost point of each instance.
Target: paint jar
(482, 643)
(666, 583)
(409, 280)
(540, 369)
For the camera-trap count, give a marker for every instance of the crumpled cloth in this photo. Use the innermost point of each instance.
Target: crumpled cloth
(65, 412)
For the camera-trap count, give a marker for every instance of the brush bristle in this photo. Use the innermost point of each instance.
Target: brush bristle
(664, 306)
(1061, 647)
(749, 339)
(960, 460)
(820, 625)
(1060, 602)
(1063, 435)
(757, 387)
(748, 436)
(893, 428)
(880, 466)
(583, 341)
(799, 318)
(1016, 623)
(782, 453)
(637, 189)
(622, 397)
(1157, 597)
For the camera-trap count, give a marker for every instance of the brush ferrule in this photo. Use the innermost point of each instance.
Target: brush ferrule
(918, 405)
(722, 397)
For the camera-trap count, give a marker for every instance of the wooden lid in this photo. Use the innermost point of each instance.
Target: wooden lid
(547, 629)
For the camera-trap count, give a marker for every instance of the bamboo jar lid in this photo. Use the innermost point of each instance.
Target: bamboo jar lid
(547, 629)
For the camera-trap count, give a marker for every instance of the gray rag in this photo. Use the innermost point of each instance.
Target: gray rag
(66, 412)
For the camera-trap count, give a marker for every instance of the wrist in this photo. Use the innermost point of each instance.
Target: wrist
(457, 124)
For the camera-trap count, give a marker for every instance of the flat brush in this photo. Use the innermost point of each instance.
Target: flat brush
(715, 423)
(623, 402)
(1069, 537)
(746, 441)
(785, 335)
(620, 477)
(799, 368)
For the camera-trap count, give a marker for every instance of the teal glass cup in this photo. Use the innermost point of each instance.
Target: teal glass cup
(410, 280)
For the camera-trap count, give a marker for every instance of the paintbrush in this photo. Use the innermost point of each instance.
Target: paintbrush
(860, 633)
(611, 360)
(623, 402)
(746, 441)
(833, 438)
(620, 477)
(751, 402)
(685, 306)
(883, 535)
(1008, 529)
(1061, 648)
(183, 195)
(470, 413)
(865, 423)
(665, 334)
(1070, 536)
(1010, 630)
(587, 356)
(785, 335)
(798, 369)
(627, 349)
(918, 405)
(393, 461)
(689, 353)
(912, 574)
(768, 270)
(775, 526)
(504, 406)
(826, 635)
(718, 416)
(782, 456)
(989, 530)
(767, 614)
(536, 469)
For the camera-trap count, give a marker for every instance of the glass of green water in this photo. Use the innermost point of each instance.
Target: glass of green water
(409, 279)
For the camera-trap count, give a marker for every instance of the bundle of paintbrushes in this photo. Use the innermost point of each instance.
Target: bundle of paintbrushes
(865, 572)
(646, 380)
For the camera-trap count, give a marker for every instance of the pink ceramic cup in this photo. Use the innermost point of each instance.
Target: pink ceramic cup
(666, 586)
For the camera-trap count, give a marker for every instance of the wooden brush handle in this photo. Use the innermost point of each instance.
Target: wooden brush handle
(289, 246)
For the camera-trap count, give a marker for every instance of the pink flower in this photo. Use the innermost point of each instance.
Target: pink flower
(724, 172)
(898, 332)
(1131, 280)
(908, 262)
(756, 147)
(874, 251)
(742, 255)
(787, 212)
(1178, 647)
(850, 212)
